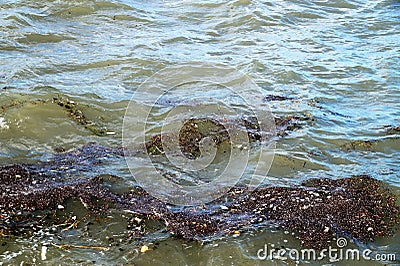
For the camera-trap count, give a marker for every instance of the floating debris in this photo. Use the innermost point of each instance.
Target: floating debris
(359, 207)
(34, 192)
(271, 97)
(144, 249)
(80, 159)
(392, 129)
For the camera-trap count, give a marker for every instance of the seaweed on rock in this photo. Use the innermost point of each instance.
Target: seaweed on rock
(195, 130)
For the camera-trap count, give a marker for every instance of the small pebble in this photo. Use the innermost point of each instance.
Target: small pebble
(144, 249)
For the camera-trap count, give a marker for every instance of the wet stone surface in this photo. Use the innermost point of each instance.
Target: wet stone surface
(369, 145)
(194, 131)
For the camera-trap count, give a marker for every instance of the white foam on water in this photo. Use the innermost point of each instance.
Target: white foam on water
(3, 124)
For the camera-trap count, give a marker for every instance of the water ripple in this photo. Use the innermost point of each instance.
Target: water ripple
(338, 60)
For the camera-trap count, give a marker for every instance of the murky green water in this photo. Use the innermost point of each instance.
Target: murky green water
(339, 60)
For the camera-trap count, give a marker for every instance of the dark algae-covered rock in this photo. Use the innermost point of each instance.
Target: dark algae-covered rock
(77, 111)
(189, 137)
(358, 207)
(195, 130)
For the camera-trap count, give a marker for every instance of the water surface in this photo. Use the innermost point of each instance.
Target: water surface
(338, 60)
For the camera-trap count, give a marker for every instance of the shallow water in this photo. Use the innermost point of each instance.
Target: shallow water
(338, 60)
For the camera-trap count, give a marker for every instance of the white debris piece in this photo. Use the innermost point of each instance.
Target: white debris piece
(43, 253)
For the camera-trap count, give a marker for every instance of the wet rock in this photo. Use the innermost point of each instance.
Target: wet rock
(194, 131)
(372, 144)
(76, 114)
(190, 136)
(286, 124)
(359, 145)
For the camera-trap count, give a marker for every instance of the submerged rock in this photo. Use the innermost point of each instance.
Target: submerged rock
(73, 109)
(76, 114)
(371, 144)
(194, 131)
(359, 145)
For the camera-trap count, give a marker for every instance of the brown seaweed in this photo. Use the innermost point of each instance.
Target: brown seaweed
(359, 207)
